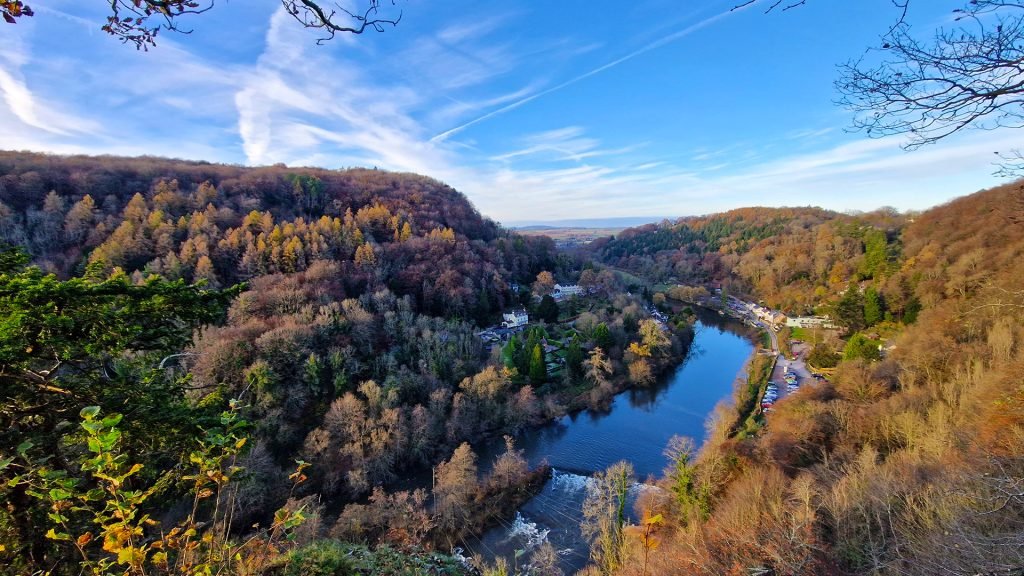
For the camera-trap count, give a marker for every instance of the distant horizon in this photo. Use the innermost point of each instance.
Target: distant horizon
(593, 222)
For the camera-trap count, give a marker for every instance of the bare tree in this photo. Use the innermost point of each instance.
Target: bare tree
(604, 515)
(967, 76)
(139, 21)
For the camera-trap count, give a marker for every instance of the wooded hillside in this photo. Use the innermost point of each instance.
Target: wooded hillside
(911, 464)
(792, 258)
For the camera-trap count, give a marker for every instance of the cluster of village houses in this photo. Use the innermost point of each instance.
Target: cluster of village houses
(516, 320)
(776, 319)
(519, 318)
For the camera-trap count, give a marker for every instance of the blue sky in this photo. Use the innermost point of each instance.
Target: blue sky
(535, 110)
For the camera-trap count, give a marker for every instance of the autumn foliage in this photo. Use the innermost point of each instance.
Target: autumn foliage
(910, 464)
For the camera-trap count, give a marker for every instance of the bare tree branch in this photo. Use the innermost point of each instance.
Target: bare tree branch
(139, 22)
(971, 76)
(313, 15)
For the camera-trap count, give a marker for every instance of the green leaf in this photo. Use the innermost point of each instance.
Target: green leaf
(59, 494)
(5, 463)
(53, 535)
(92, 427)
(25, 447)
(89, 412)
(112, 420)
(95, 494)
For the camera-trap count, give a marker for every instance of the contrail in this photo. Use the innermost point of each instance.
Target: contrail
(638, 52)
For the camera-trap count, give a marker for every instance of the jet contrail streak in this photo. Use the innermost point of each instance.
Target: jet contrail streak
(638, 52)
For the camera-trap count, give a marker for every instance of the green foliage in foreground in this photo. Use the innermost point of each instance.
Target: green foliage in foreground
(88, 346)
(333, 558)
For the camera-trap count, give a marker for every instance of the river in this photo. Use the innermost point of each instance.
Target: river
(636, 428)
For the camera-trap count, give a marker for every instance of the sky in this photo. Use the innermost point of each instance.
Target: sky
(536, 110)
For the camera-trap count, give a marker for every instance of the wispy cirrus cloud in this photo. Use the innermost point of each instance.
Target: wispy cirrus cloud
(26, 107)
(562, 144)
(664, 40)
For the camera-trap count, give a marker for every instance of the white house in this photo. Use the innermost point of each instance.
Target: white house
(810, 322)
(515, 319)
(566, 291)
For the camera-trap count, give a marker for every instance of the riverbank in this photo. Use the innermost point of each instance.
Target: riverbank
(636, 427)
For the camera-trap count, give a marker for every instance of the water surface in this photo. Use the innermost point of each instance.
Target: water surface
(636, 428)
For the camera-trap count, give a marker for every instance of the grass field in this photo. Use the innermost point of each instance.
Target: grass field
(570, 236)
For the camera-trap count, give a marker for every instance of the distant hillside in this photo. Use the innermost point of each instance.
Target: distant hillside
(793, 258)
(225, 224)
(356, 280)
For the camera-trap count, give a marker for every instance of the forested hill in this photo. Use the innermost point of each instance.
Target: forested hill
(226, 224)
(793, 258)
(903, 462)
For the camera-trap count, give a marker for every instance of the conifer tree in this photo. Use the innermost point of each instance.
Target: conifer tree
(538, 369)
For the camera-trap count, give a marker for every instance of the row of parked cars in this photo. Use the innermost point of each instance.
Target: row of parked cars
(771, 392)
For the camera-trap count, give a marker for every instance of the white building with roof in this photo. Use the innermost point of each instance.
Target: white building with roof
(515, 319)
(566, 291)
(810, 322)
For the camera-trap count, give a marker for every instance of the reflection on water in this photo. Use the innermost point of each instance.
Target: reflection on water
(636, 427)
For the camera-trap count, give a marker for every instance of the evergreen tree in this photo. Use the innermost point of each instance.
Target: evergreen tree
(874, 308)
(538, 369)
(574, 357)
(860, 346)
(603, 336)
(483, 307)
(547, 310)
(850, 309)
(875, 253)
(510, 352)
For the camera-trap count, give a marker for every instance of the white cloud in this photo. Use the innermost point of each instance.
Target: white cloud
(25, 106)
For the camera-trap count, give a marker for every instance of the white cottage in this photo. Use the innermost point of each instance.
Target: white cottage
(515, 319)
